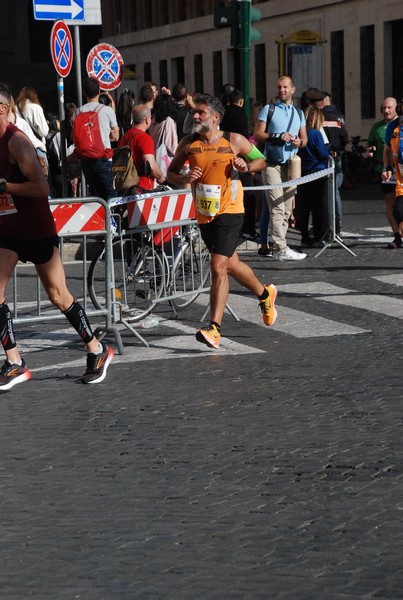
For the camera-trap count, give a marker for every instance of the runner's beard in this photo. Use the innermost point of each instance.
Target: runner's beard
(202, 127)
(197, 128)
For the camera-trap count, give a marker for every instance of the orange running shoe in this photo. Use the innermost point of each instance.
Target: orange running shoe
(267, 306)
(209, 336)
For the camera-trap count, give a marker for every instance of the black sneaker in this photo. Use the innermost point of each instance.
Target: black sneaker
(97, 365)
(265, 252)
(397, 243)
(11, 374)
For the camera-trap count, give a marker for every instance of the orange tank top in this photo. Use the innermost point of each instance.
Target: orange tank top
(219, 189)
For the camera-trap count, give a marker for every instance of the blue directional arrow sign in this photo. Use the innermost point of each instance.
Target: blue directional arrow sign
(53, 10)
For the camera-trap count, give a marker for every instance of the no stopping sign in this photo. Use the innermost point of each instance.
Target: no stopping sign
(105, 64)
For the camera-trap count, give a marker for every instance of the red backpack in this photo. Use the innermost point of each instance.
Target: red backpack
(87, 137)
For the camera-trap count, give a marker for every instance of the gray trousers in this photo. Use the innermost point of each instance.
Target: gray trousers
(279, 202)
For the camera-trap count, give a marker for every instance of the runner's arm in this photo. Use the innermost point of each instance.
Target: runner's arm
(174, 175)
(242, 148)
(387, 163)
(23, 154)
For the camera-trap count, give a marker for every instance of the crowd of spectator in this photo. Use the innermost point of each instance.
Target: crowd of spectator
(157, 120)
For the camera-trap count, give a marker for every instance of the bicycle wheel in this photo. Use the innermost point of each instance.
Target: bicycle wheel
(191, 271)
(139, 277)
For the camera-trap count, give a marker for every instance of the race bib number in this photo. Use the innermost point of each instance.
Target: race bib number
(7, 206)
(208, 199)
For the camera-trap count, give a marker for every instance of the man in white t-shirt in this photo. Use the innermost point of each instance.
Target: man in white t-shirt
(98, 172)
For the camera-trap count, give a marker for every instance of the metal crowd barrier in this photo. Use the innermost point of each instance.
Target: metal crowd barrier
(168, 261)
(158, 255)
(153, 254)
(76, 219)
(330, 236)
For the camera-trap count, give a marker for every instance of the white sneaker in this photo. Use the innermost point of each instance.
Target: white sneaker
(289, 255)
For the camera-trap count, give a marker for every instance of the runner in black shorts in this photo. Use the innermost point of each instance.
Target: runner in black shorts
(28, 233)
(216, 158)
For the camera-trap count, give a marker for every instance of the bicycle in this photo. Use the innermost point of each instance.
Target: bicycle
(356, 167)
(191, 267)
(171, 262)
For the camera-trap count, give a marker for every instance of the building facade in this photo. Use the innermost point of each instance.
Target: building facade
(351, 48)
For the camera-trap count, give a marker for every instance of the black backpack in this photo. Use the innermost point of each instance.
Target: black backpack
(54, 159)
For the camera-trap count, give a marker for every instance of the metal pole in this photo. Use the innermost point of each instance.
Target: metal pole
(330, 236)
(79, 88)
(62, 119)
(78, 64)
(245, 48)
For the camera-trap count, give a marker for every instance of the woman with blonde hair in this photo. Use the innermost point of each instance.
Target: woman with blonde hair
(311, 196)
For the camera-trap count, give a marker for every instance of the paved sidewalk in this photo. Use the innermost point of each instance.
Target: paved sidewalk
(270, 474)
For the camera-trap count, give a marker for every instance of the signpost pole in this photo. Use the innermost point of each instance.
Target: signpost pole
(245, 49)
(62, 119)
(77, 51)
(79, 87)
(61, 47)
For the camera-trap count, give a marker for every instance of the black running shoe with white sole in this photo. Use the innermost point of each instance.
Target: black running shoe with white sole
(11, 374)
(97, 365)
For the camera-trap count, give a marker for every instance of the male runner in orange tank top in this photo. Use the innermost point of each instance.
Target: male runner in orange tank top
(215, 159)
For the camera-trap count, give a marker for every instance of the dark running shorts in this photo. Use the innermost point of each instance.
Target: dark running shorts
(221, 235)
(388, 188)
(38, 252)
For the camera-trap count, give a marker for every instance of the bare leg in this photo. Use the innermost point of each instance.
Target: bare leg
(53, 278)
(221, 267)
(219, 289)
(244, 275)
(389, 201)
(8, 261)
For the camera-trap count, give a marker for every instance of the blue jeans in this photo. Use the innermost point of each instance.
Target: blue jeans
(98, 175)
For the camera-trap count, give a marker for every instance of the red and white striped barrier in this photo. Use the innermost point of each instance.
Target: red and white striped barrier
(78, 217)
(163, 209)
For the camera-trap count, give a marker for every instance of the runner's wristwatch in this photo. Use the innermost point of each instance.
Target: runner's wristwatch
(3, 186)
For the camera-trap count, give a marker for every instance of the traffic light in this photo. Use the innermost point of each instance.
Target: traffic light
(229, 16)
(239, 15)
(255, 15)
(250, 14)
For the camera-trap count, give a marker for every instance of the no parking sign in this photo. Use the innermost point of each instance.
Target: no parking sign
(61, 46)
(105, 64)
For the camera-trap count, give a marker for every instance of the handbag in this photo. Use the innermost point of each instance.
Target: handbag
(162, 157)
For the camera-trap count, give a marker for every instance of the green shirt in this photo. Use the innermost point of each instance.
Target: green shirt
(377, 138)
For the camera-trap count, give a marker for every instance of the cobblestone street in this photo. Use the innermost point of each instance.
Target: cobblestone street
(271, 469)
